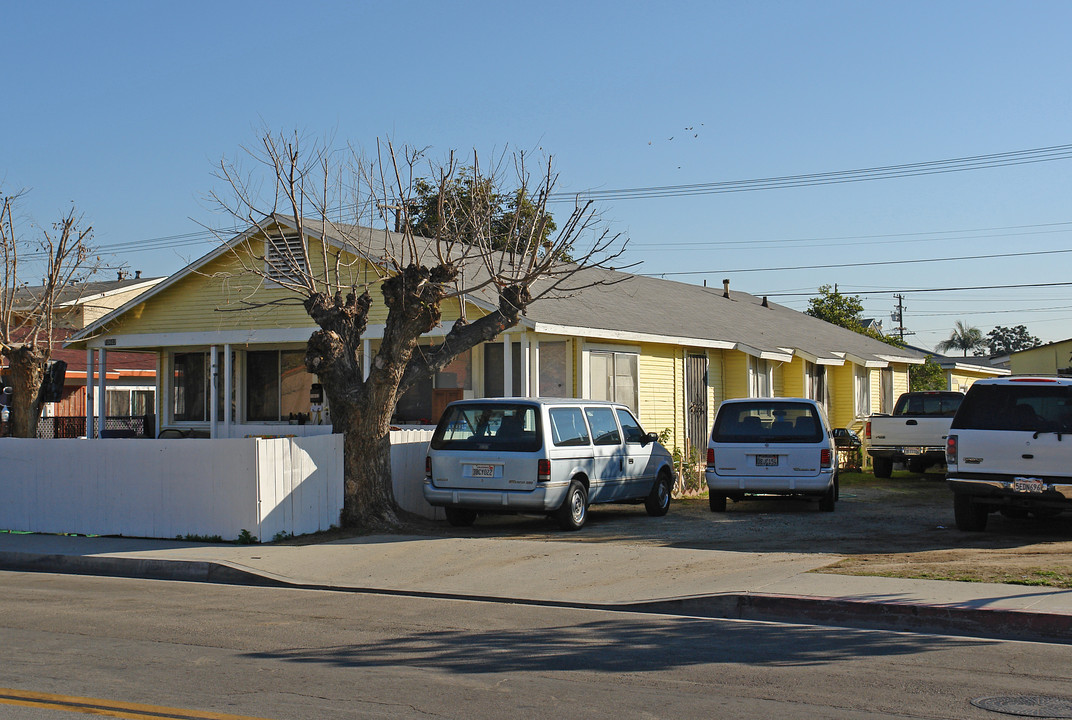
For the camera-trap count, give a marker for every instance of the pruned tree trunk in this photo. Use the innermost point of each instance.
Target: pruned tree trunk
(26, 369)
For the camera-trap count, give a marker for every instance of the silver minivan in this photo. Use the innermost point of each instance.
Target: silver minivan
(771, 447)
(538, 455)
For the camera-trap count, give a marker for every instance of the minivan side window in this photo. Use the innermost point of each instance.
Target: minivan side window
(567, 427)
(631, 428)
(604, 429)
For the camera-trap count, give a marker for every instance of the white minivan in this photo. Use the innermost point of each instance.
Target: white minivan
(537, 455)
(1009, 450)
(771, 447)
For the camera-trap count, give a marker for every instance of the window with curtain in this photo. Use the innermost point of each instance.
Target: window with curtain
(760, 377)
(862, 385)
(614, 376)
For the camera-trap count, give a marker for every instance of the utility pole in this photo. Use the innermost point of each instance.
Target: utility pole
(898, 317)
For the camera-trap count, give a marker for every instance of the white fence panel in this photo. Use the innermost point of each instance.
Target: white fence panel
(171, 488)
(408, 450)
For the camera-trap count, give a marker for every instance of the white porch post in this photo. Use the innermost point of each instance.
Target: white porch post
(366, 361)
(508, 366)
(227, 390)
(526, 381)
(102, 405)
(89, 392)
(213, 393)
(534, 372)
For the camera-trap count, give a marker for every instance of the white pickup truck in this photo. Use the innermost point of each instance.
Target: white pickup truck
(914, 434)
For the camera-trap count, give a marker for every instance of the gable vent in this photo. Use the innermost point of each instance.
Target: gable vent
(284, 258)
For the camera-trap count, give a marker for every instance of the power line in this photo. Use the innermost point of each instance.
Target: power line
(859, 264)
(934, 167)
(929, 290)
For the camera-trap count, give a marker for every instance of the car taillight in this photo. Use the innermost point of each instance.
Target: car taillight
(427, 466)
(825, 457)
(950, 449)
(710, 457)
(543, 470)
(867, 430)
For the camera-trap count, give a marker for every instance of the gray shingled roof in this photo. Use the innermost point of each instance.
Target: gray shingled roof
(636, 304)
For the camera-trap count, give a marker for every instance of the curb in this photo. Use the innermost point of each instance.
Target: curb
(992, 623)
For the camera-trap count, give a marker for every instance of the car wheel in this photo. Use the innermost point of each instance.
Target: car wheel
(883, 467)
(658, 500)
(717, 502)
(969, 515)
(826, 502)
(574, 510)
(460, 517)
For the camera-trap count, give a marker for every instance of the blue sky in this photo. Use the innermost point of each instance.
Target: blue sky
(124, 107)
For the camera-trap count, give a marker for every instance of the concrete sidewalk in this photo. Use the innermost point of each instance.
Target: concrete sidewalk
(612, 576)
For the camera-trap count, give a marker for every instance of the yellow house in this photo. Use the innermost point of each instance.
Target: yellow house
(671, 351)
(1052, 359)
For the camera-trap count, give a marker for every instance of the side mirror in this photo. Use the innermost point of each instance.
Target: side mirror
(649, 438)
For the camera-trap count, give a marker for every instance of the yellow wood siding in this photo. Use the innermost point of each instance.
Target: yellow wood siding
(839, 379)
(735, 364)
(660, 388)
(793, 378)
(1046, 360)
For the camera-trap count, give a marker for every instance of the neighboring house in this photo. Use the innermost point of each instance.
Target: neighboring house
(671, 351)
(131, 377)
(961, 372)
(1051, 359)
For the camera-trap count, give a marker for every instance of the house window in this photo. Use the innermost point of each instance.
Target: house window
(815, 382)
(493, 369)
(613, 376)
(129, 402)
(886, 397)
(553, 369)
(189, 387)
(191, 376)
(760, 377)
(277, 385)
(458, 373)
(862, 385)
(285, 258)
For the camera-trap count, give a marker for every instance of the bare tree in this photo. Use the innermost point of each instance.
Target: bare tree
(301, 189)
(28, 313)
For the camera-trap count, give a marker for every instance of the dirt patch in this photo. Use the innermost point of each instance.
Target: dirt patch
(901, 527)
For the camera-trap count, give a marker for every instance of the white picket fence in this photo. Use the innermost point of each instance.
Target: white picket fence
(186, 487)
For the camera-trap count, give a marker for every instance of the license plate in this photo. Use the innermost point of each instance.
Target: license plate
(1028, 485)
(766, 460)
(485, 471)
(911, 451)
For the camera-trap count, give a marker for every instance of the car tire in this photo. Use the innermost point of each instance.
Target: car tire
(460, 517)
(717, 503)
(574, 511)
(883, 467)
(970, 516)
(829, 499)
(657, 503)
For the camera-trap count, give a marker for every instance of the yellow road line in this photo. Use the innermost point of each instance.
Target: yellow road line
(109, 708)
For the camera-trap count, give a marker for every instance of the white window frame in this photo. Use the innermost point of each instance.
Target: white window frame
(759, 368)
(613, 351)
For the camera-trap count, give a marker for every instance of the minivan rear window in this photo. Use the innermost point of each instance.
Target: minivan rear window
(1033, 408)
(767, 422)
(499, 427)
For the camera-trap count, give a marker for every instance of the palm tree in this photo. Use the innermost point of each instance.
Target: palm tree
(963, 338)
